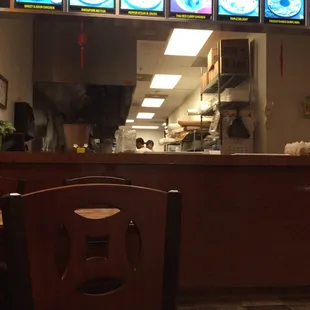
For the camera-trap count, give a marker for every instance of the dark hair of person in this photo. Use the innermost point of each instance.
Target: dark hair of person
(140, 140)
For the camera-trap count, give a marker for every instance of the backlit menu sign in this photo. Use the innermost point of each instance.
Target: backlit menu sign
(238, 10)
(190, 9)
(285, 12)
(93, 6)
(151, 8)
(49, 5)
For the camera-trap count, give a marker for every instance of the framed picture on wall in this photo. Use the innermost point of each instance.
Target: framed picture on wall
(4, 85)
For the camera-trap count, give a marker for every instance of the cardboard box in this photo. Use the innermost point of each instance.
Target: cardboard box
(238, 48)
(211, 76)
(216, 68)
(234, 66)
(204, 81)
(212, 57)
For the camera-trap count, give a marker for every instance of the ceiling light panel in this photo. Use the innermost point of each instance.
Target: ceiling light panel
(153, 102)
(145, 127)
(165, 81)
(130, 121)
(143, 115)
(187, 42)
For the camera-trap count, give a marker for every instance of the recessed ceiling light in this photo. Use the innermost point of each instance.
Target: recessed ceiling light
(187, 42)
(130, 121)
(165, 81)
(153, 102)
(143, 115)
(145, 127)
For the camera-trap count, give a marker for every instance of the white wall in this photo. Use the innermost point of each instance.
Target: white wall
(191, 102)
(286, 122)
(16, 61)
(154, 135)
(259, 90)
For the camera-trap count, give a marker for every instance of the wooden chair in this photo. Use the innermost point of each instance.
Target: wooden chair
(11, 185)
(97, 179)
(7, 185)
(113, 280)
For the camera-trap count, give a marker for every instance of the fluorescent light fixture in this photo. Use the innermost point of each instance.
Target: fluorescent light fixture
(187, 42)
(143, 115)
(153, 102)
(144, 127)
(130, 121)
(164, 124)
(165, 81)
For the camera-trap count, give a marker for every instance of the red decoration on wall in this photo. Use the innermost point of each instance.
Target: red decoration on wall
(82, 39)
(281, 59)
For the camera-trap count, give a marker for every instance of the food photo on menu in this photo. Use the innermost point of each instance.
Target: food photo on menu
(98, 6)
(39, 4)
(190, 7)
(285, 12)
(247, 10)
(143, 5)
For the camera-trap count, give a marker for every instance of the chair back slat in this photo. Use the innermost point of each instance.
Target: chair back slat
(97, 179)
(110, 280)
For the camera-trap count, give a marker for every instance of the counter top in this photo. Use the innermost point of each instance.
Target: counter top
(154, 159)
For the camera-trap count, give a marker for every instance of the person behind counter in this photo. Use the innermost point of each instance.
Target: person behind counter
(140, 146)
(150, 145)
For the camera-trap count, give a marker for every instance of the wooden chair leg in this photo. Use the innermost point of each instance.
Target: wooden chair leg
(4, 286)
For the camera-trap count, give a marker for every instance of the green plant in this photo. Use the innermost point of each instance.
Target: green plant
(6, 127)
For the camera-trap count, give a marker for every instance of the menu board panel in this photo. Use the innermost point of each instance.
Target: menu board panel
(285, 12)
(50, 5)
(93, 6)
(191, 9)
(4, 3)
(239, 10)
(152, 8)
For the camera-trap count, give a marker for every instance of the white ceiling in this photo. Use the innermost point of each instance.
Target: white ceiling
(151, 60)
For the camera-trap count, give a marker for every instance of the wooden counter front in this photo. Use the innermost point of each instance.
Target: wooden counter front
(246, 219)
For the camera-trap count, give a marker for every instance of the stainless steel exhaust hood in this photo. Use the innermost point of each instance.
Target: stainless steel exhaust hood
(103, 88)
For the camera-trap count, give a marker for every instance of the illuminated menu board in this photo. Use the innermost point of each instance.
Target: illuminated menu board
(190, 9)
(93, 6)
(49, 5)
(285, 12)
(238, 10)
(152, 8)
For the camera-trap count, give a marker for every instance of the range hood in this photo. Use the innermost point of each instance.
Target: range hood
(106, 82)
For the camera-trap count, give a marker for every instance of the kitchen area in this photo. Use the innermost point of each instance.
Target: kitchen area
(223, 97)
(77, 95)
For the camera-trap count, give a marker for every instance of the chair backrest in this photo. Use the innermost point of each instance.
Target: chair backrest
(116, 279)
(97, 179)
(11, 185)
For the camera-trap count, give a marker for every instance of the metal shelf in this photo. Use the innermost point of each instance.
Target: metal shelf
(226, 105)
(225, 81)
(234, 105)
(174, 144)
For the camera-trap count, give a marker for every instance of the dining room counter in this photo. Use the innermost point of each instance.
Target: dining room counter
(245, 218)
(155, 159)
